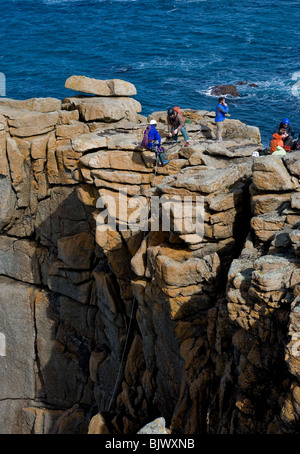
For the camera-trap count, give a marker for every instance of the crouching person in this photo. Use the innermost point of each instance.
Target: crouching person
(278, 140)
(154, 144)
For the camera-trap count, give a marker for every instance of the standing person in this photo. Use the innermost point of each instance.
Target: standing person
(221, 111)
(176, 123)
(288, 141)
(154, 143)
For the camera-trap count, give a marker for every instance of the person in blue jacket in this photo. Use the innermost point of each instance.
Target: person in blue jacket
(221, 111)
(154, 144)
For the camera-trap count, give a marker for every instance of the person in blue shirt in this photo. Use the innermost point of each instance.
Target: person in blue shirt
(221, 111)
(154, 144)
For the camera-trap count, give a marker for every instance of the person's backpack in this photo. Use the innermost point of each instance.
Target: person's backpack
(280, 151)
(177, 109)
(145, 140)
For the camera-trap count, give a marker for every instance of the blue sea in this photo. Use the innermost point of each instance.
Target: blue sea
(172, 51)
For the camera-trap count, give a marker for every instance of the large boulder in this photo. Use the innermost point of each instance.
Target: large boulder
(96, 108)
(26, 123)
(35, 104)
(112, 87)
(270, 174)
(221, 90)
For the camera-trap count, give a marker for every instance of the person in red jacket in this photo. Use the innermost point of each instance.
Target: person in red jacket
(278, 140)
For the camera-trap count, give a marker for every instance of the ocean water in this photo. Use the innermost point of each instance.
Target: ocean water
(172, 51)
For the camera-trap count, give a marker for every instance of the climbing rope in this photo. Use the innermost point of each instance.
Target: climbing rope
(123, 355)
(201, 127)
(155, 170)
(172, 144)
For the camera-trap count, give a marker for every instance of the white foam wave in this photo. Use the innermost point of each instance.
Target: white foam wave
(56, 2)
(271, 89)
(190, 1)
(182, 65)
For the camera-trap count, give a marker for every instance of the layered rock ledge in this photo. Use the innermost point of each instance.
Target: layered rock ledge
(104, 330)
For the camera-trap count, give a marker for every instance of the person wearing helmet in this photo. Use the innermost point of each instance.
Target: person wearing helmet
(176, 123)
(288, 141)
(154, 143)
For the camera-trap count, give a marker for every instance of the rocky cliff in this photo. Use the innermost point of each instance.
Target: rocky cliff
(108, 319)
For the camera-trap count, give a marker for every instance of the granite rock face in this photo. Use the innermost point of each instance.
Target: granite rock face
(133, 293)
